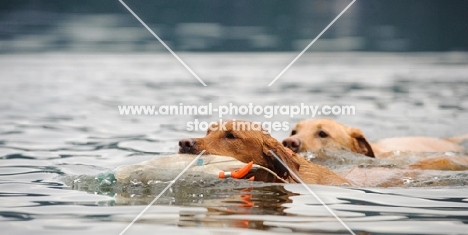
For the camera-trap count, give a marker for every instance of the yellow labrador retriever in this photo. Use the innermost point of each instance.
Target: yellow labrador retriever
(315, 134)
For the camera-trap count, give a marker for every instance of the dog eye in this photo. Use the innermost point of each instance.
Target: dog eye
(293, 132)
(230, 136)
(322, 134)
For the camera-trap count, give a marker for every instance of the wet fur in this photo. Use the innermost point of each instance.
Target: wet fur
(255, 145)
(344, 137)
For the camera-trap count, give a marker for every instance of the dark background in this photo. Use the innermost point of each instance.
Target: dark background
(233, 25)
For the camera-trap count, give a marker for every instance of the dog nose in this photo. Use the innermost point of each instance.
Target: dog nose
(292, 143)
(186, 145)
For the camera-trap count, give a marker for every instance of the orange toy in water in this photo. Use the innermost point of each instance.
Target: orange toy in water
(237, 174)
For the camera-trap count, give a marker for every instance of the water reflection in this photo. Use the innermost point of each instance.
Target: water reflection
(221, 198)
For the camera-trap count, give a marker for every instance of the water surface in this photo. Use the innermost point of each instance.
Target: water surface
(60, 127)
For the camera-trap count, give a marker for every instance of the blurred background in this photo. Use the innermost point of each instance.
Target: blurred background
(66, 66)
(241, 25)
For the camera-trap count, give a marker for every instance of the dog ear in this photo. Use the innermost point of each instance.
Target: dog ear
(360, 143)
(270, 144)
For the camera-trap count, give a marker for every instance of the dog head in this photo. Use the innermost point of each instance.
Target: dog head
(325, 133)
(245, 141)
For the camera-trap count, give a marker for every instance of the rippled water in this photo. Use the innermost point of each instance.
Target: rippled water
(60, 127)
